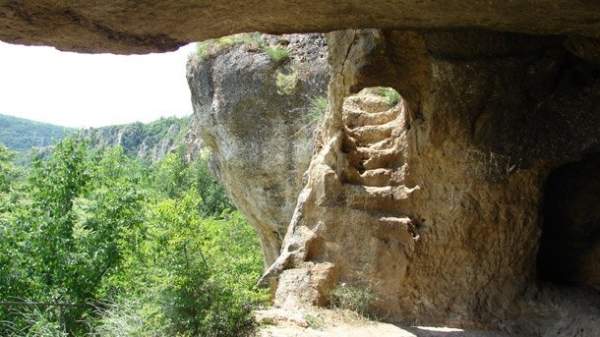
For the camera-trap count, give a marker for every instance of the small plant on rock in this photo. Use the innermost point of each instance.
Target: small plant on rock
(277, 53)
(391, 96)
(353, 298)
(211, 47)
(318, 108)
(286, 82)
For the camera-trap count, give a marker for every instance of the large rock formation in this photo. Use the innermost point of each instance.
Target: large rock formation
(257, 116)
(435, 205)
(125, 26)
(485, 160)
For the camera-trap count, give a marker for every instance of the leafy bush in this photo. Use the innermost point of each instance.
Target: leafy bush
(7, 170)
(353, 298)
(286, 82)
(214, 198)
(131, 317)
(131, 249)
(277, 53)
(391, 96)
(41, 324)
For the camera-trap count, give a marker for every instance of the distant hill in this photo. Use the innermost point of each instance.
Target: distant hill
(19, 134)
(150, 141)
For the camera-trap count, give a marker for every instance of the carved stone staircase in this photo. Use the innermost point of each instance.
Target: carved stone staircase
(360, 189)
(373, 180)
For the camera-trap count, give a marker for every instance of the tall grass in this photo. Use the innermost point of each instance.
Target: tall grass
(211, 47)
(353, 298)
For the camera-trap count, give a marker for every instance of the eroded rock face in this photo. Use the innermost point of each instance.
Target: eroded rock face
(461, 167)
(255, 115)
(142, 26)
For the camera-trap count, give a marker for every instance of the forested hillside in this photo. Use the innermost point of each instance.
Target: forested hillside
(147, 141)
(19, 134)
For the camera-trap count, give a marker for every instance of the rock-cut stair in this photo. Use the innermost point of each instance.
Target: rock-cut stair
(373, 180)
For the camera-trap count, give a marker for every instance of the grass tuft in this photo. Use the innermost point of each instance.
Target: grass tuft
(208, 48)
(318, 108)
(353, 298)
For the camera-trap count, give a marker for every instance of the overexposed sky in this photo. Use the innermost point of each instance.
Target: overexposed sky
(83, 90)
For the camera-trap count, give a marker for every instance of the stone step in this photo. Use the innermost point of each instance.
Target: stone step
(387, 158)
(370, 134)
(354, 117)
(368, 103)
(378, 177)
(400, 222)
(376, 198)
(365, 158)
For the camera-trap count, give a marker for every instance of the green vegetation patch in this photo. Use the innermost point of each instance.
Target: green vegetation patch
(212, 47)
(318, 108)
(391, 96)
(355, 298)
(277, 53)
(286, 82)
(98, 243)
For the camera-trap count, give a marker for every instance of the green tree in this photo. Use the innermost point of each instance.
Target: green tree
(84, 213)
(172, 176)
(194, 298)
(214, 198)
(7, 169)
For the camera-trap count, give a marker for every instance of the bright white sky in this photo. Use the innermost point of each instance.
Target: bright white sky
(83, 90)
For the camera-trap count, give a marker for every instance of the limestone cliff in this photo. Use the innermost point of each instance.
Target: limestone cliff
(151, 141)
(257, 115)
(437, 205)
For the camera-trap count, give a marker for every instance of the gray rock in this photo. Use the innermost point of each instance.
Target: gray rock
(254, 114)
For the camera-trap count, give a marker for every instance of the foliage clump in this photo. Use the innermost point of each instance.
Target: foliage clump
(286, 82)
(277, 53)
(391, 96)
(318, 108)
(255, 41)
(97, 243)
(353, 297)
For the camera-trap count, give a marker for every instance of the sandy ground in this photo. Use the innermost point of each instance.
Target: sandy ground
(334, 323)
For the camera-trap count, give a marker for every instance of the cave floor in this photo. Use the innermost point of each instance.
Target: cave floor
(316, 322)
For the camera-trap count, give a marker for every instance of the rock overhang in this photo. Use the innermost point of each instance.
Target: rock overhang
(132, 27)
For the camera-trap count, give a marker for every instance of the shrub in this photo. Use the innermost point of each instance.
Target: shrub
(286, 83)
(129, 317)
(353, 298)
(391, 96)
(38, 324)
(277, 53)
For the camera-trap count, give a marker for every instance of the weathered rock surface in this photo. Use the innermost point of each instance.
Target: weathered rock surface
(488, 121)
(462, 168)
(254, 114)
(151, 25)
(151, 141)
